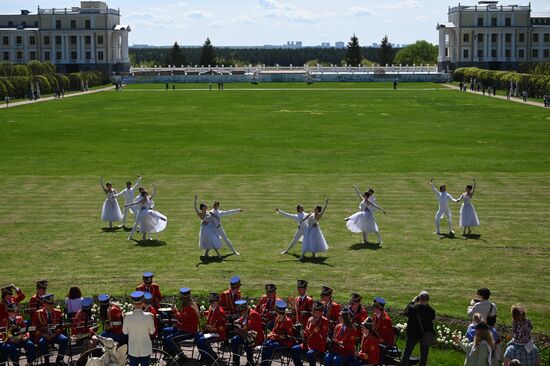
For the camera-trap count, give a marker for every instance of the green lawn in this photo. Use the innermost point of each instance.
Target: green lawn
(260, 149)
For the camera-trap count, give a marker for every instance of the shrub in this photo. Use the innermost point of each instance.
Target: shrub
(21, 70)
(37, 68)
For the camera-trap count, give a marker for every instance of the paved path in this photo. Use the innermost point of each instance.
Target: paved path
(67, 95)
(512, 99)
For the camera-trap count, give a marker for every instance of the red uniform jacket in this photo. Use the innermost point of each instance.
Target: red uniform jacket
(343, 340)
(17, 298)
(281, 330)
(79, 326)
(266, 308)
(18, 321)
(303, 309)
(370, 350)
(227, 302)
(115, 316)
(152, 310)
(252, 322)
(216, 318)
(188, 320)
(316, 333)
(331, 311)
(357, 319)
(34, 305)
(383, 327)
(43, 327)
(154, 290)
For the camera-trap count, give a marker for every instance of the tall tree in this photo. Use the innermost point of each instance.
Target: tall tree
(419, 53)
(208, 57)
(176, 57)
(353, 52)
(386, 52)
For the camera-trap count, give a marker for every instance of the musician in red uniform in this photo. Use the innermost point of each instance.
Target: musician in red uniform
(149, 286)
(49, 329)
(110, 314)
(331, 309)
(382, 324)
(9, 297)
(302, 304)
(16, 325)
(214, 330)
(266, 305)
(358, 313)
(148, 307)
(342, 342)
(187, 323)
(281, 337)
(83, 325)
(250, 333)
(35, 302)
(228, 298)
(315, 336)
(369, 354)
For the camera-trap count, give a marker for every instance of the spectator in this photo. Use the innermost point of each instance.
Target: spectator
(480, 351)
(546, 99)
(527, 356)
(524, 95)
(481, 304)
(7, 100)
(73, 302)
(521, 325)
(497, 349)
(419, 326)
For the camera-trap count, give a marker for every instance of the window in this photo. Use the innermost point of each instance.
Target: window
(480, 38)
(47, 40)
(522, 37)
(88, 55)
(508, 22)
(535, 53)
(6, 41)
(493, 22)
(494, 38)
(19, 55)
(73, 55)
(10, 24)
(99, 39)
(73, 24)
(535, 37)
(87, 39)
(508, 37)
(521, 53)
(58, 55)
(465, 54)
(32, 40)
(480, 53)
(36, 24)
(58, 24)
(6, 56)
(493, 53)
(546, 53)
(47, 56)
(33, 55)
(466, 38)
(18, 40)
(87, 24)
(546, 37)
(73, 39)
(24, 24)
(100, 55)
(58, 40)
(507, 53)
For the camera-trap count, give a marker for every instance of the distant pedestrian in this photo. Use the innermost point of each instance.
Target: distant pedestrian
(494, 91)
(62, 92)
(546, 99)
(508, 93)
(524, 95)
(7, 100)
(210, 86)
(173, 86)
(395, 85)
(166, 86)
(222, 86)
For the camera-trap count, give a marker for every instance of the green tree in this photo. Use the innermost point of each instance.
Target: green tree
(386, 52)
(37, 68)
(208, 55)
(176, 57)
(419, 53)
(353, 51)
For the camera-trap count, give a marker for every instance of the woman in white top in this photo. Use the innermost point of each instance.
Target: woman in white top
(110, 211)
(314, 240)
(363, 221)
(468, 214)
(148, 220)
(73, 302)
(208, 236)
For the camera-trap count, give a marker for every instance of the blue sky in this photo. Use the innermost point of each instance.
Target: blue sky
(259, 22)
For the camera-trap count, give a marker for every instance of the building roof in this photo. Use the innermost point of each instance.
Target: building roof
(121, 27)
(540, 14)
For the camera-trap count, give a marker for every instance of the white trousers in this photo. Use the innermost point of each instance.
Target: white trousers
(223, 236)
(439, 215)
(297, 236)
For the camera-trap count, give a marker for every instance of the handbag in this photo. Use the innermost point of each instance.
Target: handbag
(491, 319)
(428, 338)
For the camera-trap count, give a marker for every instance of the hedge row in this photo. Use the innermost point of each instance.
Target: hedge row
(536, 85)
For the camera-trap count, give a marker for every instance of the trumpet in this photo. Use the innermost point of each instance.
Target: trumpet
(15, 333)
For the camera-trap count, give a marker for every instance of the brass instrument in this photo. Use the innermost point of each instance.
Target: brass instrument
(15, 333)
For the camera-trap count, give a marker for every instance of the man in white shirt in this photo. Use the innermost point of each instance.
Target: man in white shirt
(302, 225)
(443, 197)
(128, 194)
(481, 304)
(221, 232)
(139, 326)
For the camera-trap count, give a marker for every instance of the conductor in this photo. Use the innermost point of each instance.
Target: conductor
(139, 326)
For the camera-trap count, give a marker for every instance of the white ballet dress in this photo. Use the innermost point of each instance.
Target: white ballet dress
(111, 210)
(468, 214)
(362, 221)
(314, 240)
(149, 220)
(208, 235)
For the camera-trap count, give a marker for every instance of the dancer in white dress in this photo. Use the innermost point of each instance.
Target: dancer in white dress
(110, 211)
(302, 225)
(314, 240)
(221, 232)
(363, 221)
(128, 194)
(443, 197)
(468, 214)
(208, 235)
(148, 220)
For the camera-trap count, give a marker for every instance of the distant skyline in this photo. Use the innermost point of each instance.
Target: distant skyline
(274, 22)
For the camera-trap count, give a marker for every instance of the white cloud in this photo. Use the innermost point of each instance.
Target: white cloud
(403, 4)
(360, 12)
(284, 11)
(198, 14)
(423, 18)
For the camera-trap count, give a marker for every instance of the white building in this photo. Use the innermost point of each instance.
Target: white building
(88, 37)
(339, 44)
(492, 36)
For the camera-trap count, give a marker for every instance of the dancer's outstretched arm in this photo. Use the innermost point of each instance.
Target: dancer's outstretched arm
(154, 191)
(286, 214)
(324, 208)
(474, 187)
(102, 185)
(377, 206)
(196, 208)
(358, 192)
(138, 181)
(229, 212)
